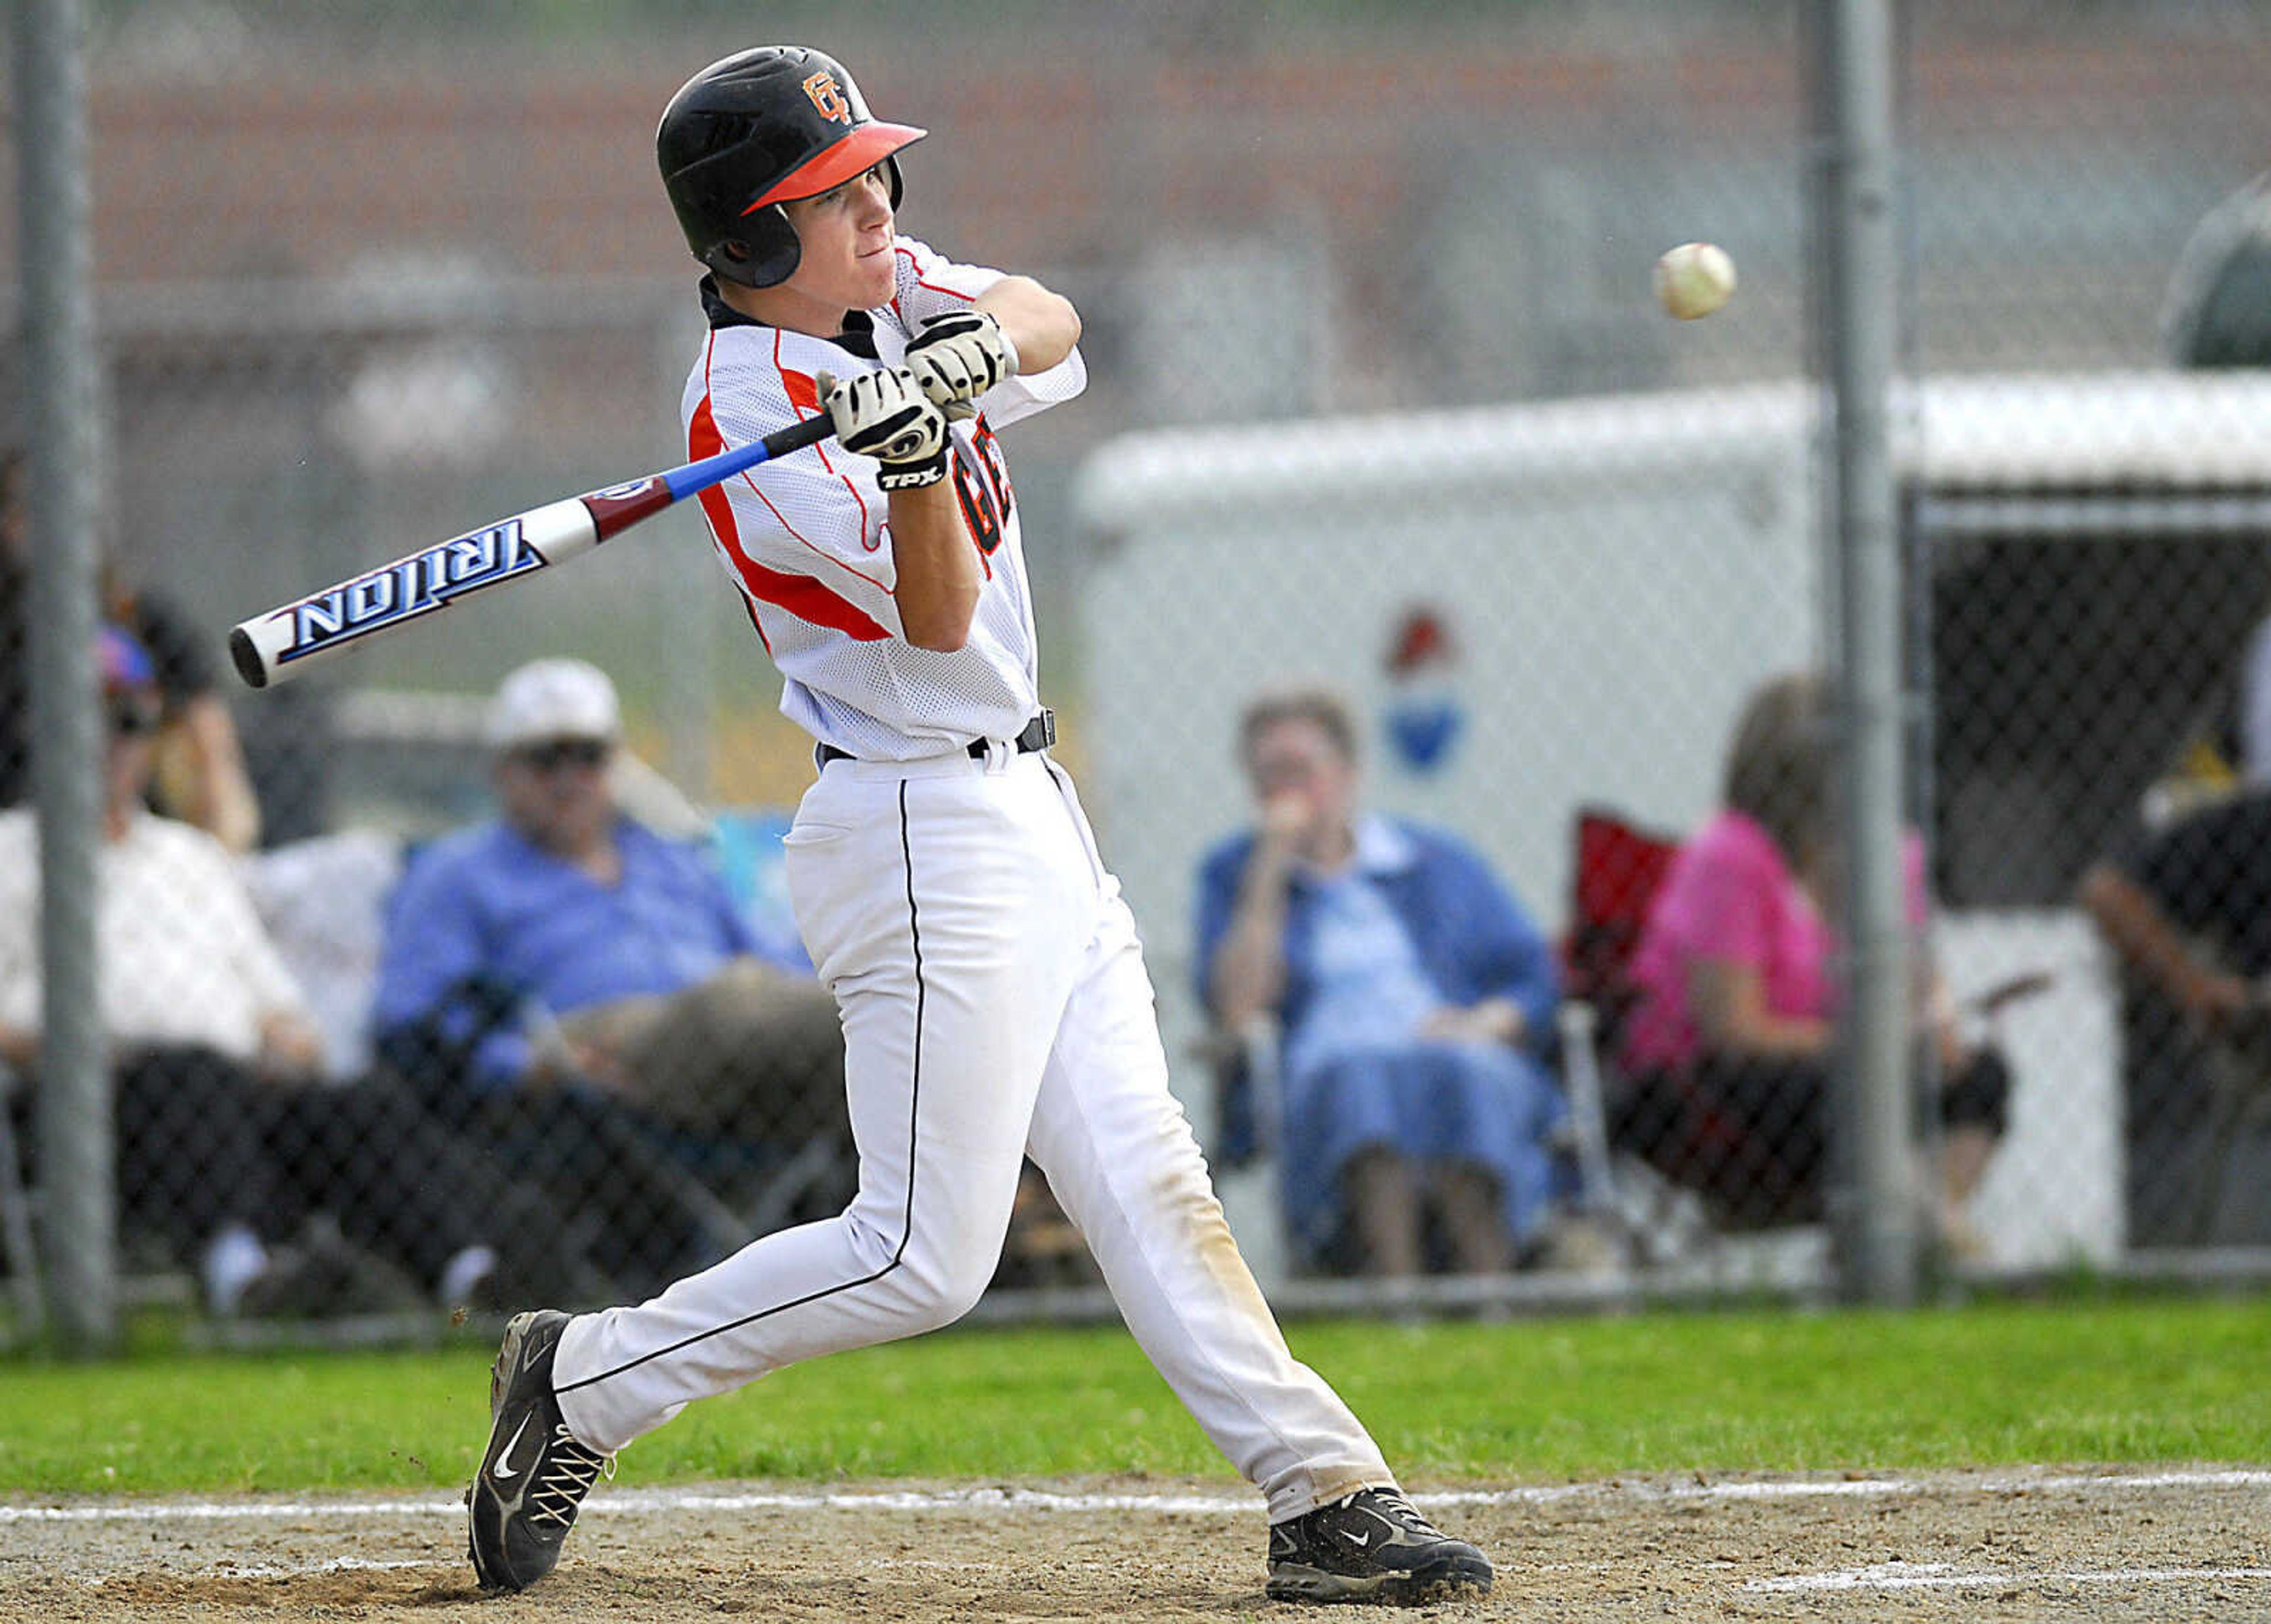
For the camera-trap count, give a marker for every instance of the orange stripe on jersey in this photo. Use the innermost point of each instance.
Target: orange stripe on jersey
(798, 387)
(933, 287)
(803, 391)
(703, 440)
(808, 601)
(799, 595)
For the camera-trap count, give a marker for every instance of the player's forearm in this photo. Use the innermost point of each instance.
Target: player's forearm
(1043, 325)
(939, 574)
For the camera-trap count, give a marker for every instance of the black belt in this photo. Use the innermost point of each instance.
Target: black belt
(1039, 733)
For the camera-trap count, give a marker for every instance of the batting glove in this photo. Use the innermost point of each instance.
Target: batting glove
(886, 415)
(958, 356)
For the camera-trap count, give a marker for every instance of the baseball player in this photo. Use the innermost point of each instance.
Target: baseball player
(993, 991)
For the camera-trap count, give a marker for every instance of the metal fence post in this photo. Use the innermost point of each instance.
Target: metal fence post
(1877, 1219)
(61, 401)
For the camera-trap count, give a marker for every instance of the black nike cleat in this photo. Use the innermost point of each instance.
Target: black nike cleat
(1372, 1546)
(534, 1474)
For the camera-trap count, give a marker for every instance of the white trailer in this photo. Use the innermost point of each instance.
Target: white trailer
(1616, 574)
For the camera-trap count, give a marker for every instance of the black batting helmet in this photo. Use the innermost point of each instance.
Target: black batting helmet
(755, 130)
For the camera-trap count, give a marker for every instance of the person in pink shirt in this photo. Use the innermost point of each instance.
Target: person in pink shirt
(1729, 1040)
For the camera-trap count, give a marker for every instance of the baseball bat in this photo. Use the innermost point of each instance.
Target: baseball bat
(289, 638)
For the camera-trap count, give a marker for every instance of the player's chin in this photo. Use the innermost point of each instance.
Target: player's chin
(879, 276)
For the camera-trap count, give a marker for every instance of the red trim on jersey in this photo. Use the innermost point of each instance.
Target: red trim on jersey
(809, 601)
(703, 440)
(781, 519)
(803, 391)
(933, 287)
(791, 380)
(801, 595)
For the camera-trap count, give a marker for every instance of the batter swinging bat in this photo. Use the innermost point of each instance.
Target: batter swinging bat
(292, 637)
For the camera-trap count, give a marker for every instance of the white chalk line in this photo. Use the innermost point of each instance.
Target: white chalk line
(269, 1570)
(653, 1502)
(1943, 1576)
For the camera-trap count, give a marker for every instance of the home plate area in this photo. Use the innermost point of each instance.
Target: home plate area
(2190, 1544)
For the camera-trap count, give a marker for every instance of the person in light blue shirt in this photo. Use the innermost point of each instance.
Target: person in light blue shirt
(597, 975)
(1414, 999)
(637, 916)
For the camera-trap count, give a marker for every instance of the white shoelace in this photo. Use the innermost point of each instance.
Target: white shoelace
(1392, 1501)
(568, 1476)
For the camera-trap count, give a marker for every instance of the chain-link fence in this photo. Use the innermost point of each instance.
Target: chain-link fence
(1381, 408)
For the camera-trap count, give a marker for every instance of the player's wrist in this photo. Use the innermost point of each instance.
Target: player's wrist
(918, 475)
(885, 414)
(958, 356)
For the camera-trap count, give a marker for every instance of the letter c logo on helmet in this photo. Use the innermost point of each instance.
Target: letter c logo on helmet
(757, 130)
(829, 99)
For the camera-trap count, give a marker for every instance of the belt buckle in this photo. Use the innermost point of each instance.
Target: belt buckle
(1041, 733)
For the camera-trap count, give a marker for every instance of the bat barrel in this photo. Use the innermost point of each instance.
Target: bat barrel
(295, 637)
(288, 639)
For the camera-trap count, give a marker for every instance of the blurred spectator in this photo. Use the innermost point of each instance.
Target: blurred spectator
(598, 981)
(2186, 907)
(323, 900)
(1729, 1040)
(2217, 314)
(224, 1138)
(1413, 997)
(198, 774)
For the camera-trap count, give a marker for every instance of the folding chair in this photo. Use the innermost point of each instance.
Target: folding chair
(1619, 867)
(1244, 1147)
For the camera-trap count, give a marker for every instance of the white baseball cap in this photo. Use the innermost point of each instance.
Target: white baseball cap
(555, 699)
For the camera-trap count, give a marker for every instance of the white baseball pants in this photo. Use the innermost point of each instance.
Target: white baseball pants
(995, 1005)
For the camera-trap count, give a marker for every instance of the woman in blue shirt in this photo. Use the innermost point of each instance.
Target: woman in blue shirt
(1414, 998)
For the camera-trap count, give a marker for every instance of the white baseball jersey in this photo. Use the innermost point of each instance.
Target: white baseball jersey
(991, 983)
(806, 538)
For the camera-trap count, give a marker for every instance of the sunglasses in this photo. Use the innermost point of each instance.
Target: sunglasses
(564, 753)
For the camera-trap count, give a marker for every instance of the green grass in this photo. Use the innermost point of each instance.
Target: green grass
(2133, 1382)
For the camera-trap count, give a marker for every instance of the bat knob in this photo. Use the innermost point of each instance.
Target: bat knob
(247, 656)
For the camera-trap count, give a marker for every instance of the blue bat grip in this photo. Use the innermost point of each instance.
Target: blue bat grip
(698, 476)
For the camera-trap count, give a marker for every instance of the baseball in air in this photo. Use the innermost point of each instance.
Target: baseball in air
(1694, 280)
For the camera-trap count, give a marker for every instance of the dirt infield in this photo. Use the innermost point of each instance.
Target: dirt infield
(2009, 1545)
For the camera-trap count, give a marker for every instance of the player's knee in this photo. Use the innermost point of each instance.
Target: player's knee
(942, 1289)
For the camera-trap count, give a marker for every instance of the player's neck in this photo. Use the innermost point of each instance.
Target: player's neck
(785, 307)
